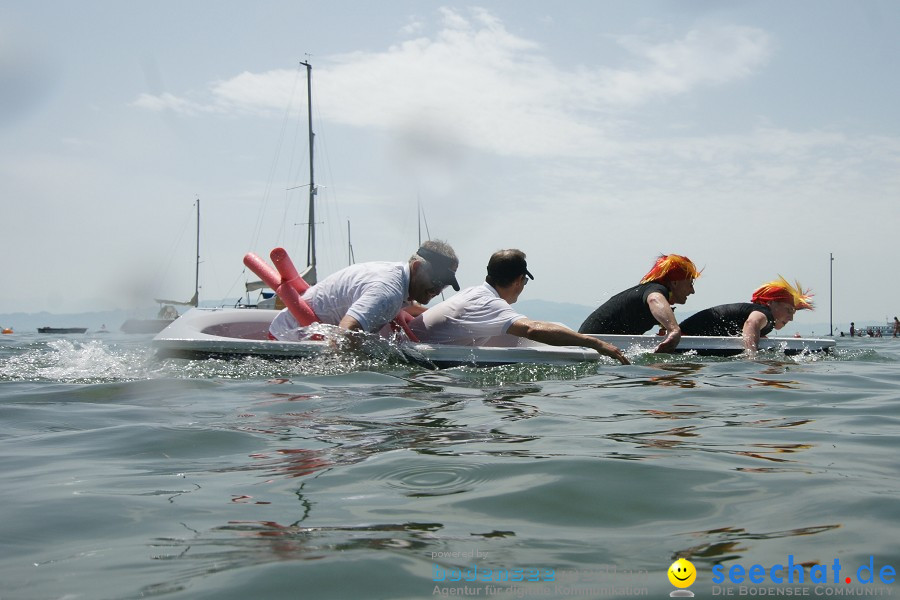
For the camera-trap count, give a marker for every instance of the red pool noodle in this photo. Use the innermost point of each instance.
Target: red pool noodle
(285, 289)
(288, 271)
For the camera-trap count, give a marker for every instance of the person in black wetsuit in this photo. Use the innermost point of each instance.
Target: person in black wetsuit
(772, 306)
(637, 309)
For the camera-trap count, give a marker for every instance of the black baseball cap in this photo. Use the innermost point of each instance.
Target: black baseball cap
(441, 267)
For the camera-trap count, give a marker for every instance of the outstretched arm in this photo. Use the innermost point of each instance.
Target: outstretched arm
(349, 323)
(375, 307)
(415, 309)
(663, 313)
(752, 326)
(558, 335)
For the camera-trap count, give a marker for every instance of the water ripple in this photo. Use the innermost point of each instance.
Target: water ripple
(434, 479)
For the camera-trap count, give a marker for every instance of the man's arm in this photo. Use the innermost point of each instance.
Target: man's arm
(377, 305)
(349, 323)
(415, 309)
(663, 313)
(557, 335)
(752, 326)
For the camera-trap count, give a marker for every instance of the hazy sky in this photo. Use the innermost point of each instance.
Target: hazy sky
(754, 137)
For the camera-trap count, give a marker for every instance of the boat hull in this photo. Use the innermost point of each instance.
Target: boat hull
(62, 329)
(203, 332)
(145, 325)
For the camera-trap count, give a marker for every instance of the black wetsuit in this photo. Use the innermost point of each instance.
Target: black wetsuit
(726, 319)
(626, 312)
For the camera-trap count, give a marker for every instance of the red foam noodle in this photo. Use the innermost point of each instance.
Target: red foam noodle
(262, 269)
(284, 288)
(288, 271)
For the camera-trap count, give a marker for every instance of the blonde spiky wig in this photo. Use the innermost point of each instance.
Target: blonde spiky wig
(671, 267)
(782, 291)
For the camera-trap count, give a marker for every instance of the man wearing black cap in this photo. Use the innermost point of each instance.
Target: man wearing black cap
(367, 296)
(482, 315)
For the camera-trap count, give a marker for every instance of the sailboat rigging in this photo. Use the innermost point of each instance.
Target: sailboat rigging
(421, 218)
(167, 311)
(309, 273)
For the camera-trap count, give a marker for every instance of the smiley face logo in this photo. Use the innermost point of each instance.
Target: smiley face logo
(682, 573)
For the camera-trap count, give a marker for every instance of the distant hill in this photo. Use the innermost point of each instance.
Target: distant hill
(112, 319)
(571, 315)
(29, 322)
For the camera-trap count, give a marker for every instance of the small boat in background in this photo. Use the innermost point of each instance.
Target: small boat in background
(167, 314)
(7, 330)
(62, 329)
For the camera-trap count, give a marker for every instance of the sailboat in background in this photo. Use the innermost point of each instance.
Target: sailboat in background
(309, 273)
(167, 311)
(421, 217)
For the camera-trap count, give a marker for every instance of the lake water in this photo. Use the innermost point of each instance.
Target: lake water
(128, 476)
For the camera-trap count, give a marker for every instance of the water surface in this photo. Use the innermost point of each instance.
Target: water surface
(127, 476)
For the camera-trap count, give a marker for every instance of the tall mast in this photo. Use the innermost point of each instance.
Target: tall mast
(311, 235)
(195, 301)
(350, 257)
(831, 294)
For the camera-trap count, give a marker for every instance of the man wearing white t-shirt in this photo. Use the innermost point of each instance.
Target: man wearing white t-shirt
(367, 296)
(482, 315)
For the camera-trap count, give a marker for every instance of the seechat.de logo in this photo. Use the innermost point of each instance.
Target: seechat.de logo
(792, 572)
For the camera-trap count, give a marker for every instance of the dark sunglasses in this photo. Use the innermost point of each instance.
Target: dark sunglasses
(437, 286)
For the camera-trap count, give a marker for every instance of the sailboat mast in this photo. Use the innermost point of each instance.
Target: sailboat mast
(311, 236)
(350, 258)
(197, 266)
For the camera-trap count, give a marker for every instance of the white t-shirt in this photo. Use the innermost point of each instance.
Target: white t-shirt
(473, 317)
(372, 293)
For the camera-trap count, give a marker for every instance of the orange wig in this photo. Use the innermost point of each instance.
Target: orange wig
(671, 267)
(782, 291)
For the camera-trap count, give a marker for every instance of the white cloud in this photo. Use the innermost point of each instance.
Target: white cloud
(705, 56)
(412, 26)
(264, 93)
(492, 90)
(171, 102)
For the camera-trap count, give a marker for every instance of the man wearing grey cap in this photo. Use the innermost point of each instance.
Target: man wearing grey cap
(482, 315)
(367, 296)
